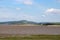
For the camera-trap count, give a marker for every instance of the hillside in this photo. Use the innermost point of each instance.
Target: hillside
(30, 22)
(19, 22)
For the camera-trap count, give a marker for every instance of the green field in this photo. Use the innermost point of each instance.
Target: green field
(32, 37)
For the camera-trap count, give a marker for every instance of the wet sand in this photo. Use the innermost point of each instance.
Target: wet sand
(19, 29)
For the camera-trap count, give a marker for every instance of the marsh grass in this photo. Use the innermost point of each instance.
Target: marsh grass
(33, 37)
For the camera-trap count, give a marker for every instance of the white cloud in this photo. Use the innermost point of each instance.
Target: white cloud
(53, 10)
(18, 8)
(43, 15)
(27, 2)
(24, 16)
(7, 14)
(58, 1)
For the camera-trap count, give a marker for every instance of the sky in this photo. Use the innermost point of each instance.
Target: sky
(31, 10)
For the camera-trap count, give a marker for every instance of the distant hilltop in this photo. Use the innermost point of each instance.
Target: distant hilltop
(19, 22)
(30, 22)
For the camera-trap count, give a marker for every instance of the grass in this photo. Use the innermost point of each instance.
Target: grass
(33, 37)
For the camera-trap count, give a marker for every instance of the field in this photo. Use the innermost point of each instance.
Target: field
(29, 32)
(32, 37)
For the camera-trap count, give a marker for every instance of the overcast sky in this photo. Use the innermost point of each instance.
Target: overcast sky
(32, 10)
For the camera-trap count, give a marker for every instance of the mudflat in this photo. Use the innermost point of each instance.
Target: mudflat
(30, 29)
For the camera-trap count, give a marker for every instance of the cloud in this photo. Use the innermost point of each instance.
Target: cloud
(7, 14)
(26, 2)
(43, 15)
(58, 1)
(24, 16)
(53, 10)
(18, 8)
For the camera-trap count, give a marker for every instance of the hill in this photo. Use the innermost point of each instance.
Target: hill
(30, 22)
(19, 22)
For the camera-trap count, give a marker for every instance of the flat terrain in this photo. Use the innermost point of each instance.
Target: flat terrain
(30, 29)
(32, 37)
(29, 32)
